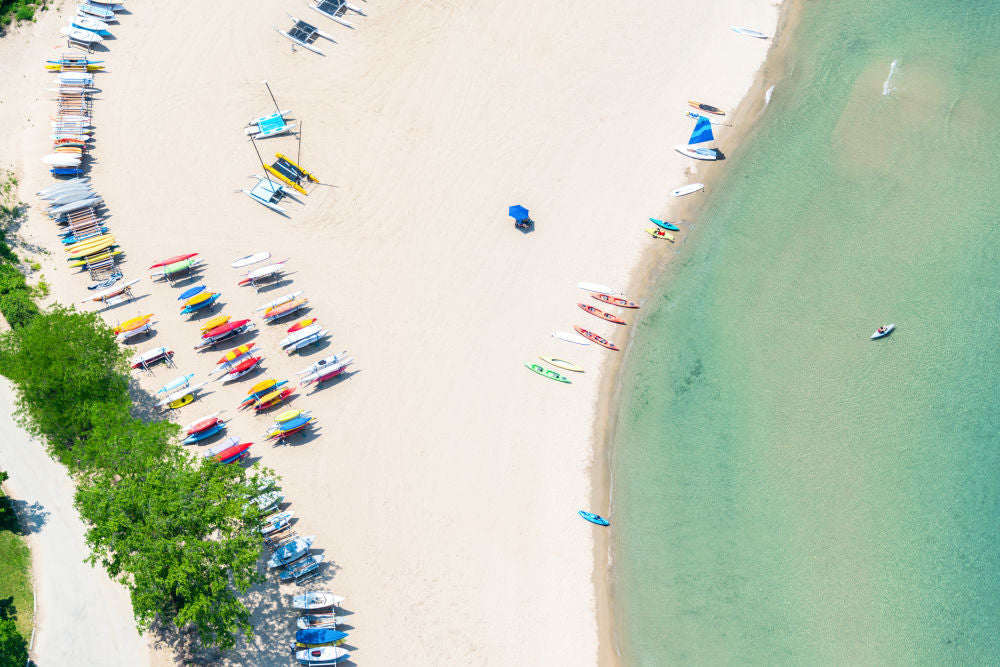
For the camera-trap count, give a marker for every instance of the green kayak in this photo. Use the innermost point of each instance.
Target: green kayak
(552, 375)
(177, 267)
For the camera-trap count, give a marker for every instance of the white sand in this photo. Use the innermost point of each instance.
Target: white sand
(446, 477)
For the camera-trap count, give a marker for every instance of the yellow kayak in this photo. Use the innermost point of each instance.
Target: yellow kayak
(76, 248)
(198, 298)
(660, 234)
(563, 364)
(98, 258)
(90, 67)
(133, 323)
(263, 385)
(180, 402)
(213, 322)
(289, 415)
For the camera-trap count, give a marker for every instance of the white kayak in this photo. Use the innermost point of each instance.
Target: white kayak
(74, 206)
(748, 32)
(180, 393)
(597, 287)
(251, 259)
(263, 272)
(323, 364)
(176, 383)
(131, 333)
(306, 341)
(62, 160)
(296, 336)
(570, 337)
(45, 193)
(882, 332)
(687, 189)
(280, 300)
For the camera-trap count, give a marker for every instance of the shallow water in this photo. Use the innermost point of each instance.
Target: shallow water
(786, 490)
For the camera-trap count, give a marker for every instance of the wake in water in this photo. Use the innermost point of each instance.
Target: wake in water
(767, 95)
(887, 87)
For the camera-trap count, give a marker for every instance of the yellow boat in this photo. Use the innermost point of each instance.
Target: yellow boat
(263, 385)
(216, 321)
(90, 68)
(85, 244)
(88, 253)
(97, 258)
(301, 170)
(288, 415)
(181, 402)
(198, 298)
(133, 323)
(284, 179)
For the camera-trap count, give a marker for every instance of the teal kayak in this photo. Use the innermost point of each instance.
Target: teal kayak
(666, 225)
(595, 518)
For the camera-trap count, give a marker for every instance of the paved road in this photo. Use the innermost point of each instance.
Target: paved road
(82, 617)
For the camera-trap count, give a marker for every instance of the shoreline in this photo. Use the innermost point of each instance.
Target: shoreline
(653, 264)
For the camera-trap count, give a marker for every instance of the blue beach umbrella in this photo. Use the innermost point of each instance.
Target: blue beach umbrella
(518, 212)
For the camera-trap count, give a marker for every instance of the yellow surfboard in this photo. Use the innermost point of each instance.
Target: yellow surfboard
(213, 322)
(87, 243)
(98, 258)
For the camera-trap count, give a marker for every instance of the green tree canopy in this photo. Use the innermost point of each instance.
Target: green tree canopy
(13, 647)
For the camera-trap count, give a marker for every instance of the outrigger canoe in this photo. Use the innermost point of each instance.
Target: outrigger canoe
(660, 234)
(562, 363)
(707, 108)
(544, 372)
(603, 342)
(597, 312)
(615, 301)
(134, 323)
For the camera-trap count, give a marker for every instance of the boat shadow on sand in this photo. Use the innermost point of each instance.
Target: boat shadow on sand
(332, 382)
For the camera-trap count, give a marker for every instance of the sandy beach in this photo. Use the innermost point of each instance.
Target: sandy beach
(444, 478)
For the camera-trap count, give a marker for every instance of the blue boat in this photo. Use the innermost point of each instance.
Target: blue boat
(201, 435)
(188, 293)
(666, 225)
(595, 518)
(71, 239)
(66, 171)
(202, 304)
(319, 637)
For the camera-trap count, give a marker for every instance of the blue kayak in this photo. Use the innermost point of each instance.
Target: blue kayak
(319, 636)
(201, 435)
(666, 225)
(188, 293)
(198, 306)
(595, 518)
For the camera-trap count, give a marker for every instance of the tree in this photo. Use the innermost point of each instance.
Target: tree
(179, 536)
(64, 364)
(13, 648)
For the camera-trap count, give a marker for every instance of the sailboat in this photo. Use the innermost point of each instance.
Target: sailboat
(702, 134)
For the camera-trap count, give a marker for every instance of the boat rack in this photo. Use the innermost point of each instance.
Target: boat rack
(167, 359)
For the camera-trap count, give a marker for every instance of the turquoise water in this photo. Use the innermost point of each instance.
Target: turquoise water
(787, 491)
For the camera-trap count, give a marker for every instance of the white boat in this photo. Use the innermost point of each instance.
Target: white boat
(882, 332)
(310, 621)
(748, 32)
(74, 206)
(264, 272)
(176, 383)
(62, 160)
(327, 373)
(304, 34)
(47, 193)
(180, 393)
(323, 364)
(596, 287)
(687, 189)
(296, 336)
(570, 337)
(316, 600)
(702, 134)
(321, 655)
(306, 341)
(693, 115)
(247, 260)
(71, 196)
(335, 9)
(81, 35)
(101, 12)
(90, 23)
(150, 356)
(111, 292)
(83, 78)
(280, 300)
(291, 552)
(131, 333)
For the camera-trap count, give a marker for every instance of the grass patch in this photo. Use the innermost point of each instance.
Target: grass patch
(18, 10)
(15, 571)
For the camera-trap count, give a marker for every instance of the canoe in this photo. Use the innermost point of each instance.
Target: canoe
(882, 334)
(301, 324)
(660, 234)
(280, 300)
(597, 312)
(686, 190)
(707, 108)
(237, 352)
(285, 309)
(570, 338)
(190, 292)
(247, 260)
(265, 272)
(596, 287)
(133, 323)
(666, 225)
(544, 372)
(174, 260)
(203, 434)
(594, 518)
(210, 298)
(176, 383)
(268, 401)
(213, 322)
(562, 363)
(603, 342)
(615, 301)
(202, 423)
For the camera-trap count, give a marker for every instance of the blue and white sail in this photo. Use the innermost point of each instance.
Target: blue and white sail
(701, 135)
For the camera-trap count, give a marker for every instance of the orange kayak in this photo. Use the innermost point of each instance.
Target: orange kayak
(232, 354)
(615, 301)
(301, 324)
(285, 309)
(597, 312)
(597, 339)
(133, 323)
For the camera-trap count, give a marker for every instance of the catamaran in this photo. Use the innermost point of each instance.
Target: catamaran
(702, 134)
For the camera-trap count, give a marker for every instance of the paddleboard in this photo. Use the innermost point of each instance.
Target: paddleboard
(562, 363)
(251, 259)
(570, 338)
(596, 287)
(687, 189)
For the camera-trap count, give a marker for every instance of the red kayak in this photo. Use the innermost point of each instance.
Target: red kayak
(301, 324)
(232, 452)
(597, 339)
(223, 329)
(235, 353)
(243, 368)
(201, 425)
(597, 312)
(172, 260)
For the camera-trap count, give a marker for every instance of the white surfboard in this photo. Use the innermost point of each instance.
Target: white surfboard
(570, 337)
(596, 287)
(251, 259)
(62, 160)
(280, 300)
(687, 189)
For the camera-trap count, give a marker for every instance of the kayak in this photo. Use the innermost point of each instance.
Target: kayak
(131, 333)
(204, 433)
(198, 298)
(224, 332)
(707, 108)
(247, 260)
(544, 372)
(285, 309)
(272, 399)
(176, 383)
(223, 329)
(660, 234)
(289, 415)
(603, 342)
(174, 260)
(96, 258)
(266, 272)
(327, 373)
(301, 324)
(210, 298)
(213, 322)
(242, 368)
(322, 364)
(597, 312)
(615, 301)
(289, 427)
(306, 341)
(596, 287)
(176, 267)
(315, 637)
(238, 352)
(280, 300)
(188, 293)
(595, 518)
(299, 335)
(202, 423)
(151, 356)
(181, 402)
(563, 364)
(133, 323)
(882, 334)
(666, 225)
(233, 453)
(263, 386)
